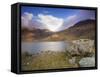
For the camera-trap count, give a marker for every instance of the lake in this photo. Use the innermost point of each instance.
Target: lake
(34, 47)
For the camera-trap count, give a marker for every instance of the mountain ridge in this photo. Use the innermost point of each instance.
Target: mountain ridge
(83, 29)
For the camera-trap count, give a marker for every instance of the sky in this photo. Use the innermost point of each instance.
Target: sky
(54, 19)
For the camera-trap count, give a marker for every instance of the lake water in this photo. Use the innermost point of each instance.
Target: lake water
(43, 46)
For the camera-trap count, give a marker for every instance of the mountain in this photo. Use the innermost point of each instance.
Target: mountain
(34, 34)
(81, 30)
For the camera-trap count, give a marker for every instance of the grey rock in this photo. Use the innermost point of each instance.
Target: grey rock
(87, 62)
(72, 60)
(81, 46)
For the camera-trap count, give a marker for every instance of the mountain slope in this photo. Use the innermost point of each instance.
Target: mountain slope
(83, 29)
(34, 34)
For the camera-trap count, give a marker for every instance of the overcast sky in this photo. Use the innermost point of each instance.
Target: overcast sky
(54, 19)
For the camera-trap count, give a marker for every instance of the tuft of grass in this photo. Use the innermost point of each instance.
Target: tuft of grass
(46, 60)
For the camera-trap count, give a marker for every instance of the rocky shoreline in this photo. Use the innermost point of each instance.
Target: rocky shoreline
(84, 48)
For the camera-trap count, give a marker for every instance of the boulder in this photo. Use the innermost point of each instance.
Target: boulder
(72, 60)
(87, 62)
(82, 46)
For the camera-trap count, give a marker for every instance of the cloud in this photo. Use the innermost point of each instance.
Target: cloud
(80, 16)
(56, 24)
(48, 21)
(51, 22)
(30, 21)
(69, 21)
(71, 17)
(27, 19)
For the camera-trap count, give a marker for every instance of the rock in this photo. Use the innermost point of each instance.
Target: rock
(82, 46)
(85, 45)
(87, 62)
(72, 60)
(72, 49)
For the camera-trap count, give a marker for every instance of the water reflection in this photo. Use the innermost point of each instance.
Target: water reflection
(43, 46)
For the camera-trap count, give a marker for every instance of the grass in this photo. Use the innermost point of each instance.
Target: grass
(51, 60)
(47, 60)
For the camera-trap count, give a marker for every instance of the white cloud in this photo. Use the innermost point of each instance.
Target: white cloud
(29, 16)
(71, 17)
(69, 21)
(26, 19)
(45, 21)
(51, 22)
